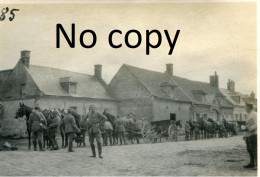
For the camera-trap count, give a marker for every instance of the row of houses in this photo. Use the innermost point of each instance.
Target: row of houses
(155, 96)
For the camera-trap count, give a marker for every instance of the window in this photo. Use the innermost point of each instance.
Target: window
(240, 117)
(22, 89)
(72, 88)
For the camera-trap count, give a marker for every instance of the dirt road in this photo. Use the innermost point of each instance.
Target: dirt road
(221, 157)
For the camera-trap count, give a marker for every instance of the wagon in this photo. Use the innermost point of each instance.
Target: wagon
(150, 132)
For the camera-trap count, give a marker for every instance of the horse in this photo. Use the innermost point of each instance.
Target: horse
(25, 110)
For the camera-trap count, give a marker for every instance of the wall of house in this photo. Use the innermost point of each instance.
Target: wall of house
(11, 88)
(125, 86)
(163, 108)
(82, 105)
(141, 107)
(239, 111)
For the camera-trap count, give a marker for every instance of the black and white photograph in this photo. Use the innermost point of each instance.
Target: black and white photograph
(128, 88)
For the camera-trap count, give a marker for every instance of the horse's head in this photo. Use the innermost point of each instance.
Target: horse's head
(21, 111)
(179, 124)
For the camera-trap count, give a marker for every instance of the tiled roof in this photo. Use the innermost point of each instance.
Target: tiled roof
(48, 81)
(229, 95)
(185, 88)
(153, 81)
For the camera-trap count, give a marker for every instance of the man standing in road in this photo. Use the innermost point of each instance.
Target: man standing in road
(94, 121)
(70, 128)
(37, 124)
(54, 129)
(251, 137)
(187, 131)
(120, 129)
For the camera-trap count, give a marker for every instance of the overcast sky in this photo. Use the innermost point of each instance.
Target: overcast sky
(213, 37)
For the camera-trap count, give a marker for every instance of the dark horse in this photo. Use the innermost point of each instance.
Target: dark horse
(25, 110)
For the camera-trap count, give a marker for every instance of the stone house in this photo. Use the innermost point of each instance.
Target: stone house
(238, 101)
(49, 88)
(158, 96)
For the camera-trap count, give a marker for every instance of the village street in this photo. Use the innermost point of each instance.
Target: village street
(221, 157)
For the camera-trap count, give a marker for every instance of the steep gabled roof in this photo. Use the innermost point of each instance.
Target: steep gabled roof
(184, 91)
(229, 95)
(48, 81)
(153, 81)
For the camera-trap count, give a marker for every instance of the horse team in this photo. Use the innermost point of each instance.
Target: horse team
(209, 128)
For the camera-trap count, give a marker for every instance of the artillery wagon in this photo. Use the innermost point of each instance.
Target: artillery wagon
(150, 132)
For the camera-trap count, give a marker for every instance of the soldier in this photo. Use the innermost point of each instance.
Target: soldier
(187, 131)
(251, 136)
(95, 119)
(136, 127)
(37, 124)
(54, 129)
(197, 130)
(108, 128)
(70, 128)
(120, 128)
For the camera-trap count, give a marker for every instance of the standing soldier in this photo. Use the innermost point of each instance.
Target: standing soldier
(136, 127)
(187, 131)
(197, 130)
(54, 129)
(120, 128)
(95, 119)
(70, 128)
(37, 124)
(251, 137)
(108, 128)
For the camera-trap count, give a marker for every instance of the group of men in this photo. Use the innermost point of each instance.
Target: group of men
(38, 123)
(99, 126)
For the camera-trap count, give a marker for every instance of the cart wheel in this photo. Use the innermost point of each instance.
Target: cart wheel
(172, 133)
(147, 133)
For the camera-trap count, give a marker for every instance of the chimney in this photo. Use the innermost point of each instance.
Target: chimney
(25, 57)
(98, 71)
(214, 80)
(231, 85)
(169, 69)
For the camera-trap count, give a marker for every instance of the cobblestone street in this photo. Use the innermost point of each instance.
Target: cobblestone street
(220, 157)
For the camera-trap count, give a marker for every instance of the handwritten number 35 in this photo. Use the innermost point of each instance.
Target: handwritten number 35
(4, 11)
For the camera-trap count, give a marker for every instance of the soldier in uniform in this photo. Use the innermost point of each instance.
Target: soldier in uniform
(70, 128)
(95, 119)
(54, 129)
(37, 124)
(251, 136)
(197, 130)
(187, 131)
(120, 129)
(136, 127)
(108, 128)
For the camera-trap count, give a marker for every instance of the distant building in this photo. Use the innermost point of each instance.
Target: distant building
(49, 88)
(155, 96)
(158, 96)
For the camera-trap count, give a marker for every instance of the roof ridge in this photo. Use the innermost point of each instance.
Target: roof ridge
(6, 70)
(164, 73)
(143, 69)
(60, 69)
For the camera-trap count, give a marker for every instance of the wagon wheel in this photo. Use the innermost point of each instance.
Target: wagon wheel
(172, 133)
(148, 133)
